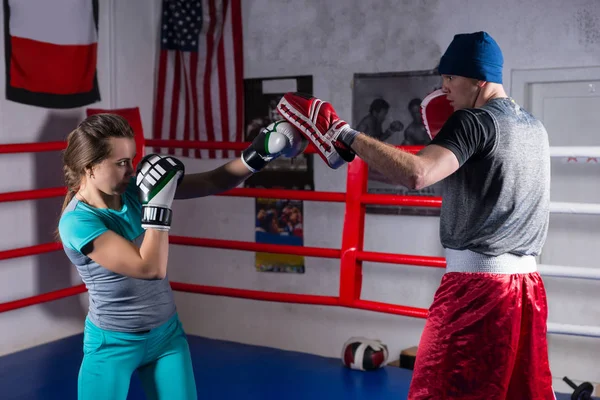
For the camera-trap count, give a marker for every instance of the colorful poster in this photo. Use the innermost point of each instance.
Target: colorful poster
(278, 221)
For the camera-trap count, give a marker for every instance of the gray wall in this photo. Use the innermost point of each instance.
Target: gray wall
(330, 40)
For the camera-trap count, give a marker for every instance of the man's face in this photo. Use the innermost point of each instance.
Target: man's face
(415, 111)
(381, 115)
(460, 91)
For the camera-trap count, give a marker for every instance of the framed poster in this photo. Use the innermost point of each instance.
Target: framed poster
(277, 221)
(386, 106)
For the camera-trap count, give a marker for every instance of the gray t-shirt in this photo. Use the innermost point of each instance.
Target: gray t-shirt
(116, 302)
(498, 200)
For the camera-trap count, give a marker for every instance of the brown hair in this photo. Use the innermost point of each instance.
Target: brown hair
(89, 145)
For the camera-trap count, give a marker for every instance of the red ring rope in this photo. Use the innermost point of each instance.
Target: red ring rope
(42, 298)
(351, 256)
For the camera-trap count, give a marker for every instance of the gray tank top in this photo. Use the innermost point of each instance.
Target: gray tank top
(116, 302)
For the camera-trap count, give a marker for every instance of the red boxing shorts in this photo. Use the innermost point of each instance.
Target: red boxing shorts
(485, 336)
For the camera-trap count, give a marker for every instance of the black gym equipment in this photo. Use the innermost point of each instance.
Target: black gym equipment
(582, 392)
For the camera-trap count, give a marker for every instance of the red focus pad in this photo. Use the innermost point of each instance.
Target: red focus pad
(318, 122)
(435, 111)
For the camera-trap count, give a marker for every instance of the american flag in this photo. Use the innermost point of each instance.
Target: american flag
(200, 75)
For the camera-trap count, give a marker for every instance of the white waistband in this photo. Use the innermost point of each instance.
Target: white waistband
(469, 261)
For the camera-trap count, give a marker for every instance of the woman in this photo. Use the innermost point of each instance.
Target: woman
(111, 231)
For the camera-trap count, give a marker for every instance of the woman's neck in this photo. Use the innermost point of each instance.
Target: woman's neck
(96, 198)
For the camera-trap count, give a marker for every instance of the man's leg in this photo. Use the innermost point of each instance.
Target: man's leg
(531, 378)
(469, 344)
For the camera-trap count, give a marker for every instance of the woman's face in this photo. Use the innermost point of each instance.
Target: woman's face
(112, 175)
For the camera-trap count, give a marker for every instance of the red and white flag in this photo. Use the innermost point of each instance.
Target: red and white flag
(199, 87)
(51, 50)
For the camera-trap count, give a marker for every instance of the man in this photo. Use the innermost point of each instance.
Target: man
(485, 336)
(371, 124)
(415, 134)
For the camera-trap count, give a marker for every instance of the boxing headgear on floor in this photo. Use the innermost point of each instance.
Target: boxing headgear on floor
(364, 354)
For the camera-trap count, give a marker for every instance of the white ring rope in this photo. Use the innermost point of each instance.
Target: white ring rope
(575, 208)
(569, 272)
(569, 151)
(590, 154)
(576, 330)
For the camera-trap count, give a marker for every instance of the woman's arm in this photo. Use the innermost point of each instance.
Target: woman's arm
(279, 138)
(118, 255)
(212, 182)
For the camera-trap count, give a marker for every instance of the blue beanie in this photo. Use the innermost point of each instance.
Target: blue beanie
(473, 55)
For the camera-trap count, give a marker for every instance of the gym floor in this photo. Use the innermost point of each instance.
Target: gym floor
(224, 370)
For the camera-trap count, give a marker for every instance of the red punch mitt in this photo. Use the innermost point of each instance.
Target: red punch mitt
(435, 111)
(318, 122)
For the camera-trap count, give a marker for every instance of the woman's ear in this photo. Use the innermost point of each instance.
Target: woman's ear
(89, 173)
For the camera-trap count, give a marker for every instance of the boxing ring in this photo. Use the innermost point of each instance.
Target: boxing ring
(227, 370)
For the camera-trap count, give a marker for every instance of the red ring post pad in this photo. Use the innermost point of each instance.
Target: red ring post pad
(132, 115)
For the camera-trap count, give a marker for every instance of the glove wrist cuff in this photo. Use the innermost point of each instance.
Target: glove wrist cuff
(253, 160)
(156, 217)
(347, 136)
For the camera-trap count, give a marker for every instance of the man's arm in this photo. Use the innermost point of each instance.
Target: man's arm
(213, 182)
(415, 171)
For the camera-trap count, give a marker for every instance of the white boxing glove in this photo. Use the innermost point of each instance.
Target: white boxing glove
(278, 139)
(157, 178)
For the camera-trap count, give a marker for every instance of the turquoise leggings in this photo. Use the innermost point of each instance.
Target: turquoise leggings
(161, 357)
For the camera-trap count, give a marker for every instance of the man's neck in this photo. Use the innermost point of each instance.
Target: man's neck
(489, 92)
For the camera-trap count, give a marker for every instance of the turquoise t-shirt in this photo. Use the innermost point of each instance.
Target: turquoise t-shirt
(82, 224)
(117, 302)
